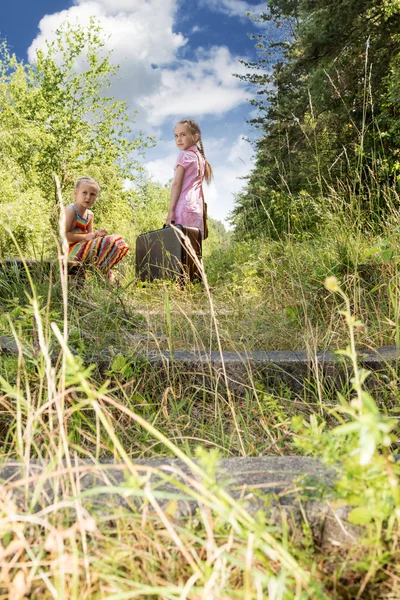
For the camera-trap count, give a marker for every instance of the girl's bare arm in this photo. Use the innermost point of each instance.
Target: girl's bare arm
(176, 189)
(99, 232)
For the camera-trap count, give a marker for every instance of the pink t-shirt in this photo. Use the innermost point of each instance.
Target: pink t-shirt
(189, 208)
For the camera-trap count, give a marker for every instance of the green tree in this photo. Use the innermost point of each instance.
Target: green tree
(56, 117)
(322, 92)
(68, 91)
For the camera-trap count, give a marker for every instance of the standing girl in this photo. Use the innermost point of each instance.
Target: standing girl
(86, 245)
(186, 205)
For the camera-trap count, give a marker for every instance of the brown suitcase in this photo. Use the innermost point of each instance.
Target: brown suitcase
(164, 254)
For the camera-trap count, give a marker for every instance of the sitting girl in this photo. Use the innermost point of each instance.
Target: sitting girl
(85, 245)
(186, 205)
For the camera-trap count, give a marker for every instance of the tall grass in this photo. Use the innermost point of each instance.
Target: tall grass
(120, 537)
(54, 541)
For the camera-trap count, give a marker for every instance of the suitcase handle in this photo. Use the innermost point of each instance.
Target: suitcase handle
(172, 223)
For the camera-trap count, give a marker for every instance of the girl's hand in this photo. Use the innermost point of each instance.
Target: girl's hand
(101, 232)
(169, 219)
(90, 236)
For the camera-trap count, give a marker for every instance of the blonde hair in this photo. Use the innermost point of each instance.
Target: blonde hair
(193, 129)
(81, 180)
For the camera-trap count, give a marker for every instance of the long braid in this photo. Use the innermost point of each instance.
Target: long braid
(208, 169)
(193, 129)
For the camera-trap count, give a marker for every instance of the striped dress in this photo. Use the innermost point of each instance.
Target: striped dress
(103, 252)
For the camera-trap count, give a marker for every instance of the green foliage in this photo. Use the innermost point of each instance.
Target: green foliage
(389, 117)
(84, 128)
(56, 118)
(327, 99)
(361, 443)
(149, 205)
(121, 368)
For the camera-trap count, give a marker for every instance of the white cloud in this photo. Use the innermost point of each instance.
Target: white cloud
(200, 87)
(161, 169)
(139, 35)
(138, 30)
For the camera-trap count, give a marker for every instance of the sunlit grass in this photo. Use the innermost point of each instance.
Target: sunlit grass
(56, 541)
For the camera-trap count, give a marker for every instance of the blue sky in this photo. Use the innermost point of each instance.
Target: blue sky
(177, 58)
